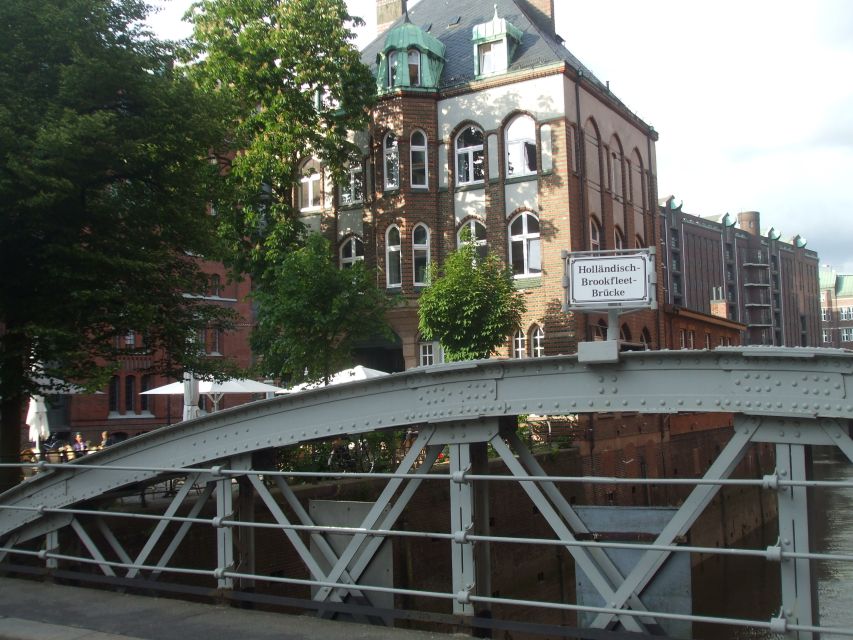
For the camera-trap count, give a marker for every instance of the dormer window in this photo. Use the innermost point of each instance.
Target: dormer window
(411, 58)
(495, 43)
(414, 68)
(392, 68)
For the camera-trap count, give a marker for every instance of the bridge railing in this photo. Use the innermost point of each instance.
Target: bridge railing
(102, 551)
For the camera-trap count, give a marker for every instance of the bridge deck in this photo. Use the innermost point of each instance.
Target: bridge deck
(41, 611)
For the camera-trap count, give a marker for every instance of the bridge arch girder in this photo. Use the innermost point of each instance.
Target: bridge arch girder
(783, 382)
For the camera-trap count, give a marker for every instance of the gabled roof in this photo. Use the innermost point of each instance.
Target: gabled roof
(452, 22)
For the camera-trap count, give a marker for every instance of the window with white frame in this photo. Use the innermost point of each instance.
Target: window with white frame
(477, 235)
(414, 60)
(420, 254)
(391, 161)
(826, 336)
(825, 314)
(618, 239)
(519, 345)
(418, 153)
(521, 157)
(393, 262)
(594, 235)
(130, 340)
(352, 251)
(469, 156)
(352, 191)
(393, 57)
(537, 342)
(429, 353)
(486, 56)
(847, 334)
(846, 313)
(310, 186)
(525, 255)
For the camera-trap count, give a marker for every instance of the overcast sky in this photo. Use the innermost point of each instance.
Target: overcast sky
(752, 99)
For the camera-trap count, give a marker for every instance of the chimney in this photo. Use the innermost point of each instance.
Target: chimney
(542, 11)
(387, 11)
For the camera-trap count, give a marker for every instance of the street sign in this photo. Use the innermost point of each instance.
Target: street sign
(610, 279)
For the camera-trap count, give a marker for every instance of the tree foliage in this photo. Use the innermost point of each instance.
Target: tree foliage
(299, 89)
(315, 314)
(471, 304)
(104, 178)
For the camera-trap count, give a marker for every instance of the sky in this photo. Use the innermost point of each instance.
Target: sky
(752, 100)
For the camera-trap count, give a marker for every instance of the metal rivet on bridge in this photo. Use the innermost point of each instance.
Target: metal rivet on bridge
(794, 384)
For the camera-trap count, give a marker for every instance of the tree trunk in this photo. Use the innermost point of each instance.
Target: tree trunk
(13, 398)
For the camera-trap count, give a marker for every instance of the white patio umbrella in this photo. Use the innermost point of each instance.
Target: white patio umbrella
(37, 420)
(190, 391)
(213, 390)
(347, 375)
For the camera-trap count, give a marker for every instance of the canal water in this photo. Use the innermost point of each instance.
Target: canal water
(750, 589)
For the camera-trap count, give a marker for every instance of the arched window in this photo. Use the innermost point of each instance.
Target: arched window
(646, 339)
(618, 239)
(310, 186)
(418, 152)
(420, 254)
(625, 333)
(391, 158)
(352, 251)
(519, 345)
(521, 157)
(616, 173)
(477, 231)
(594, 235)
(524, 249)
(414, 57)
(639, 243)
(393, 265)
(537, 342)
(392, 68)
(469, 156)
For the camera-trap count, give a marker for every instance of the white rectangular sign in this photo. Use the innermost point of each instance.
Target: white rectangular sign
(610, 280)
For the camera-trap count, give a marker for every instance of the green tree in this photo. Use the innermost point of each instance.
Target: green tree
(299, 89)
(104, 178)
(471, 304)
(316, 314)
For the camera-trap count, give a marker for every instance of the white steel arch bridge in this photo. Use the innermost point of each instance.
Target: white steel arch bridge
(792, 398)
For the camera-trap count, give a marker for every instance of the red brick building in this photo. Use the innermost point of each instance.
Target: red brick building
(487, 122)
(730, 267)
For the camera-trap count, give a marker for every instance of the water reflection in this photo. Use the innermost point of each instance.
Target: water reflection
(749, 588)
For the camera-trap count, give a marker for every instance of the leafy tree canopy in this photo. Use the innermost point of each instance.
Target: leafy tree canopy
(299, 89)
(315, 314)
(471, 304)
(104, 179)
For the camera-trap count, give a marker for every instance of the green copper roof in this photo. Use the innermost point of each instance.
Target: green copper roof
(844, 287)
(406, 35)
(826, 278)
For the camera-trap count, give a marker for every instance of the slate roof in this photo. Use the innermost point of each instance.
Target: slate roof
(452, 21)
